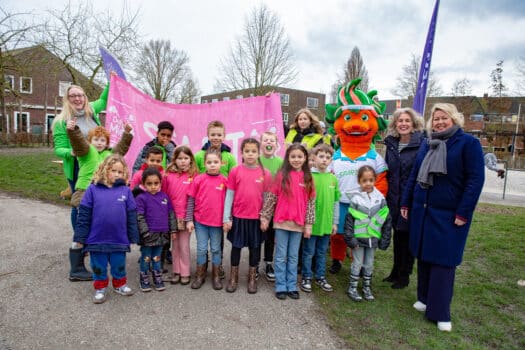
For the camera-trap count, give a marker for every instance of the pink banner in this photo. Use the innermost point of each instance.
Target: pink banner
(246, 117)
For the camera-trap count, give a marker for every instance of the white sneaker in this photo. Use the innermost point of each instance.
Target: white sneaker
(445, 326)
(124, 290)
(419, 306)
(100, 296)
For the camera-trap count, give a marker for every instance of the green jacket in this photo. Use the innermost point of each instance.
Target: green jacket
(61, 141)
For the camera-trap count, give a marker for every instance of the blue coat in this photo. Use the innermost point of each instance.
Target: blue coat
(434, 237)
(399, 168)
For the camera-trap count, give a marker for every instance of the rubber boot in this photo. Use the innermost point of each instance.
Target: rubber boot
(234, 279)
(215, 278)
(78, 271)
(252, 280)
(157, 280)
(352, 289)
(200, 277)
(145, 285)
(367, 290)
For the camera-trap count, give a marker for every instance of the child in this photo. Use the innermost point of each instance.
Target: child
(107, 225)
(204, 213)
(163, 140)
(154, 156)
(273, 163)
(327, 216)
(367, 227)
(306, 130)
(292, 203)
(246, 186)
(156, 221)
(177, 180)
(216, 134)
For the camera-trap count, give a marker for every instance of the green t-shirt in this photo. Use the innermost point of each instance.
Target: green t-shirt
(273, 164)
(228, 162)
(326, 195)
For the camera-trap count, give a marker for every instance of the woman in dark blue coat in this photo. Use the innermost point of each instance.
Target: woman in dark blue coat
(440, 198)
(402, 143)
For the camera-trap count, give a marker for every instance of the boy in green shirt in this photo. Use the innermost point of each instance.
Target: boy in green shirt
(216, 133)
(326, 218)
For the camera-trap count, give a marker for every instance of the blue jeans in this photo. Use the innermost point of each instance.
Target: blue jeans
(150, 255)
(285, 260)
(315, 245)
(203, 234)
(99, 265)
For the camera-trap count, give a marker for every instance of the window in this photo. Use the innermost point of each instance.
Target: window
(226, 98)
(285, 118)
(49, 122)
(9, 82)
(238, 96)
(21, 122)
(26, 85)
(312, 102)
(204, 101)
(285, 99)
(62, 87)
(214, 100)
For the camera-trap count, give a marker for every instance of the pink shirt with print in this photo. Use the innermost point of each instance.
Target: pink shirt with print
(291, 206)
(177, 186)
(249, 185)
(209, 192)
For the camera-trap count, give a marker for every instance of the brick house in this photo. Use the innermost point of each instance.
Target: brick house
(292, 100)
(35, 82)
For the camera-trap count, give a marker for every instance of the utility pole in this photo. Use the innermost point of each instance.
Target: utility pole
(515, 137)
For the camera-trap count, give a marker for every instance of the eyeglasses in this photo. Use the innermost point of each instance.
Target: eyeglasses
(76, 96)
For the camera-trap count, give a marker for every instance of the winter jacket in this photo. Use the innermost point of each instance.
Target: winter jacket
(310, 140)
(61, 141)
(434, 237)
(107, 218)
(375, 212)
(228, 160)
(399, 167)
(167, 154)
(156, 218)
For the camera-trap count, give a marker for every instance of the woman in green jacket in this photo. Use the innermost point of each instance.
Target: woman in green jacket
(75, 104)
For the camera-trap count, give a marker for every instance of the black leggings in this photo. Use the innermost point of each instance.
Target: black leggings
(255, 256)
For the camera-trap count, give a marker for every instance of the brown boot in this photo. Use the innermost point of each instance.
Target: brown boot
(215, 279)
(234, 279)
(200, 277)
(252, 280)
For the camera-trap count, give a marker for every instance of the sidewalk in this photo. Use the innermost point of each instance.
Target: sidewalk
(514, 192)
(41, 309)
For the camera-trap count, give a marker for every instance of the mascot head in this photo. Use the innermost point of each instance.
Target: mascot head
(355, 118)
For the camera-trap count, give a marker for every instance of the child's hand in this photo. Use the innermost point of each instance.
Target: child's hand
(334, 229)
(307, 232)
(404, 213)
(227, 226)
(190, 226)
(181, 225)
(173, 235)
(127, 128)
(71, 124)
(264, 224)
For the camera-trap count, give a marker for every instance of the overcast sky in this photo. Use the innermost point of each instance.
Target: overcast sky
(471, 37)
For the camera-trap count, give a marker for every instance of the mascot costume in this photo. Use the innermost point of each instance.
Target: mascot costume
(355, 120)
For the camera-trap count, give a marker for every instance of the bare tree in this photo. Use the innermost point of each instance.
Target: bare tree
(461, 87)
(407, 81)
(260, 57)
(496, 78)
(162, 70)
(75, 32)
(354, 68)
(15, 30)
(189, 91)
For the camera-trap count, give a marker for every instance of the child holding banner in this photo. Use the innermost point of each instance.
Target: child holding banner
(246, 186)
(163, 140)
(176, 183)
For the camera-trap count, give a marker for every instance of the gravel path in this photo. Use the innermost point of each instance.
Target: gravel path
(40, 308)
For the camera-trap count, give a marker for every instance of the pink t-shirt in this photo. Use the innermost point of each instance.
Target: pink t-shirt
(249, 185)
(209, 192)
(176, 186)
(291, 206)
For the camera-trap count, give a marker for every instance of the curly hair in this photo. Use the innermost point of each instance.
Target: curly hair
(101, 175)
(417, 121)
(98, 131)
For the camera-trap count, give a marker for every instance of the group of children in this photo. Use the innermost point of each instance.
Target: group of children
(283, 203)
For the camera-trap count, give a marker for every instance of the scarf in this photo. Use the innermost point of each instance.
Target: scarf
(435, 161)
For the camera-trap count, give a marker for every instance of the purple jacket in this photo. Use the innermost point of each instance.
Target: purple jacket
(156, 218)
(107, 219)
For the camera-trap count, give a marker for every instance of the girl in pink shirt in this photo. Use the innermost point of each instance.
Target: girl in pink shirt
(204, 213)
(291, 202)
(246, 186)
(176, 184)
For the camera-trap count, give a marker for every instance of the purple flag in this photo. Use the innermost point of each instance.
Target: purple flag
(111, 63)
(424, 70)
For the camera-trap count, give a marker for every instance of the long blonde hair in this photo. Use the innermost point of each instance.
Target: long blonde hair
(67, 109)
(101, 174)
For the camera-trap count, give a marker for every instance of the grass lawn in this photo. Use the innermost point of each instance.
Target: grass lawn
(488, 309)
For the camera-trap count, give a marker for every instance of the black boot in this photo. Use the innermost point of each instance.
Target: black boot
(336, 266)
(78, 271)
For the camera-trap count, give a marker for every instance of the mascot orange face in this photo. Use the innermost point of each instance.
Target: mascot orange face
(355, 119)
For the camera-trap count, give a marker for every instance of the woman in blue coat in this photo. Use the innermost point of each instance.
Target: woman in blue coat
(402, 143)
(440, 198)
